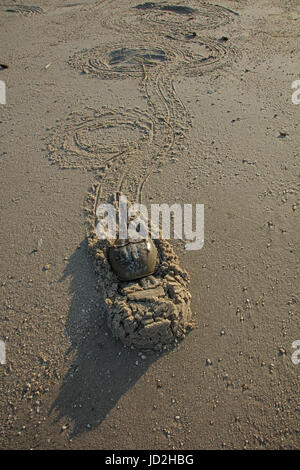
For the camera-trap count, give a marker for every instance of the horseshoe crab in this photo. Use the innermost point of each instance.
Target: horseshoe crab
(133, 259)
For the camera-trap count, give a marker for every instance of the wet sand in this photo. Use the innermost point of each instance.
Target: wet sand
(214, 82)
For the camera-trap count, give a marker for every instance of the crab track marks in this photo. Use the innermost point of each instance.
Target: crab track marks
(156, 64)
(25, 10)
(208, 55)
(122, 167)
(175, 56)
(167, 110)
(71, 143)
(197, 16)
(75, 144)
(152, 312)
(162, 315)
(172, 17)
(114, 61)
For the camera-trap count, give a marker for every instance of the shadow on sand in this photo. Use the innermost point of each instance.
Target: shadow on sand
(101, 370)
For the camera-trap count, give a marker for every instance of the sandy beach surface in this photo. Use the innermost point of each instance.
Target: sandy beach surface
(198, 97)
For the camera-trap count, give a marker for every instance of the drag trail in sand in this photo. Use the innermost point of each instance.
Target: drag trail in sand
(163, 320)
